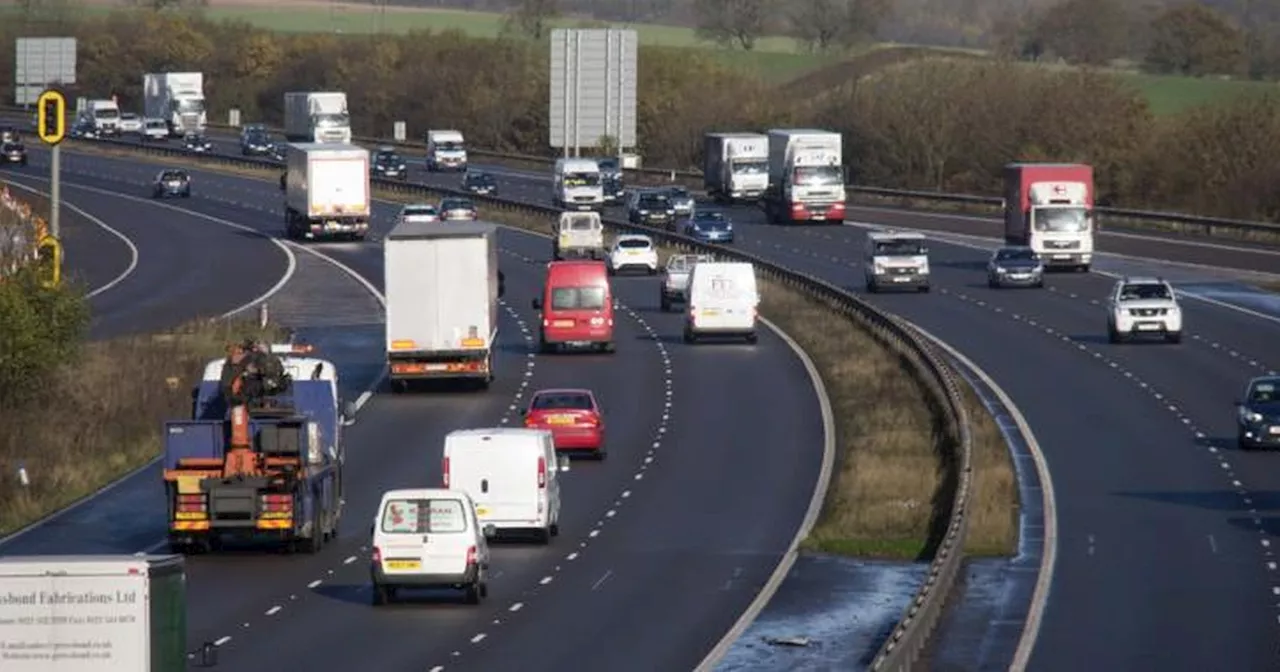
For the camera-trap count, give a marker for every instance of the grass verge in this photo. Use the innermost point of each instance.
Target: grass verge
(889, 496)
(101, 416)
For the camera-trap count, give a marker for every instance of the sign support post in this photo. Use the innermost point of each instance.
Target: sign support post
(55, 190)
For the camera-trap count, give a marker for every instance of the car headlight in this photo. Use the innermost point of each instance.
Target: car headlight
(1253, 417)
(1000, 270)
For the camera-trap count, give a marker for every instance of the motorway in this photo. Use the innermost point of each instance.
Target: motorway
(694, 506)
(1165, 530)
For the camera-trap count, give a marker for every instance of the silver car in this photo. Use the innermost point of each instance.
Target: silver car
(681, 201)
(457, 209)
(1015, 266)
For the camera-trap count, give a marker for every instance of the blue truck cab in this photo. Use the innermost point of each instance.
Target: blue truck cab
(293, 496)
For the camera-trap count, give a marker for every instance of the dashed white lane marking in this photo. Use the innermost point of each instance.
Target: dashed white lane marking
(1200, 437)
(273, 610)
(222, 640)
(478, 638)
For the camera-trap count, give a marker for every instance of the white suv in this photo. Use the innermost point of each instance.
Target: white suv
(633, 251)
(1143, 306)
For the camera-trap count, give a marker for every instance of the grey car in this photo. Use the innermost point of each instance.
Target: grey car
(681, 201)
(457, 209)
(652, 207)
(1015, 267)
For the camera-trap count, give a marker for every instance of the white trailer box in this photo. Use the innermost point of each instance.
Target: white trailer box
(735, 165)
(317, 116)
(93, 613)
(327, 191)
(176, 97)
(442, 286)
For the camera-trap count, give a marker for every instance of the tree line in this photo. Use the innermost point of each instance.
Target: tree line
(947, 124)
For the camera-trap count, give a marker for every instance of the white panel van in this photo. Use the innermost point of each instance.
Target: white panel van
(428, 538)
(723, 301)
(511, 474)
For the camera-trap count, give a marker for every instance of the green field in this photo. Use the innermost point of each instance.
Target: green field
(777, 59)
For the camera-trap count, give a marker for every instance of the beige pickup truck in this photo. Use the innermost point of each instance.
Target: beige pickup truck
(675, 278)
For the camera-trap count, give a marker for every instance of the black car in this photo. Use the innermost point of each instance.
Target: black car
(9, 134)
(1258, 414)
(387, 163)
(477, 182)
(194, 142)
(1015, 265)
(614, 190)
(651, 207)
(172, 183)
(256, 141)
(13, 152)
(279, 151)
(84, 128)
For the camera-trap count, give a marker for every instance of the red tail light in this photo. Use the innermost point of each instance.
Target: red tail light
(191, 503)
(472, 556)
(377, 554)
(444, 470)
(797, 207)
(529, 421)
(542, 472)
(277, 502)
(837, 210)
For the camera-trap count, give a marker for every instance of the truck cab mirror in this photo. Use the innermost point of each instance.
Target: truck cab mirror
(348, 414)
(537, 304)
(489, 531)
(563, 461)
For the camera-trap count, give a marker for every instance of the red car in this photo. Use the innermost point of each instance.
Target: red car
(572, 416)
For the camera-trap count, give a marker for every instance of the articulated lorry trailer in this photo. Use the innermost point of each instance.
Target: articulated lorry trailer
(93, 613)
(317, 116)
(262, 457)
(326, 192)
(735, 166)
(176, 97)
(442, 286)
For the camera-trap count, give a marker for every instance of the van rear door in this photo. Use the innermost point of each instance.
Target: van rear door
(425, 536)
(502, 476)
(723, 297)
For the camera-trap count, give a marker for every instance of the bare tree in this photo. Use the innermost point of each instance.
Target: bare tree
(823, 24)
(733, 22)
(533, 18)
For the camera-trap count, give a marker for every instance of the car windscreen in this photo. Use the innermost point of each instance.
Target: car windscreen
(713, 222)
(387, 157)
(1016, 255)
(173, 177)
(634, 244)
(654, 203)
(483, 178)
(577, 298)
(1264, 392)
(455, 205)
(562, 401)
(1144, 291)
(896, 248)
(582, 224)
(424, 516)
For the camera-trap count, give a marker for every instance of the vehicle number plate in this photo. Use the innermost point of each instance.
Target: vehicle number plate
(560, 420)
(710, 312)
(403, 564)
(901, 278)
(1275, 430)
(562, 323)
(482, 510)
(633, 253)
(1147, 326)
(1061, 256)
(819, 216)
(1019, 276)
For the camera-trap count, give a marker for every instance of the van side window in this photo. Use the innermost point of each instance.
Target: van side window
(424, 516)
(577, 298)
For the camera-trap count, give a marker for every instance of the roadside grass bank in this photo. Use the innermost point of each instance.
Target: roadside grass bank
(99, 415)
(890, 496)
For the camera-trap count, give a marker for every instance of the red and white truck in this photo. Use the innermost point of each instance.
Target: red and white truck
(1049, 208)
(806, 177)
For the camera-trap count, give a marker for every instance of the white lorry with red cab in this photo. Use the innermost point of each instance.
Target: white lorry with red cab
(806, 177)
(1049, 208)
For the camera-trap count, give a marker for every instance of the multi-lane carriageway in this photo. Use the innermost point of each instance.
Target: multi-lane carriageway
(1165, 530)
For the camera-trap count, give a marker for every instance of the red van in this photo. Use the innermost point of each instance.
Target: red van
(577, 307)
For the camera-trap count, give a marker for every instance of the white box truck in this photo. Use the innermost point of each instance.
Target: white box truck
(176, 97)
(316, 116)
(446, 150)
(93, 613)
(105, 114)
(806, 177)
(326, 191)
(442, 286)
(735, 166)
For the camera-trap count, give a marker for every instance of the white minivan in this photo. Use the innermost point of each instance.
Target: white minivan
(723, 301)
(511, 474)
(428, 538)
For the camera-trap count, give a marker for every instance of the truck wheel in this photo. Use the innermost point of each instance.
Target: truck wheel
(312, 545)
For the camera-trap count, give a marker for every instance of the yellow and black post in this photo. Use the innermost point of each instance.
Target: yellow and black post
(49, 258)
(51, 125)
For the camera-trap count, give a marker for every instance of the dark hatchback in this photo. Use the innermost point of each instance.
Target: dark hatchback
(1258, 414)
(1015, 266)
(13, 152)
(172, 183)
(387, 163)
(480, 183)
